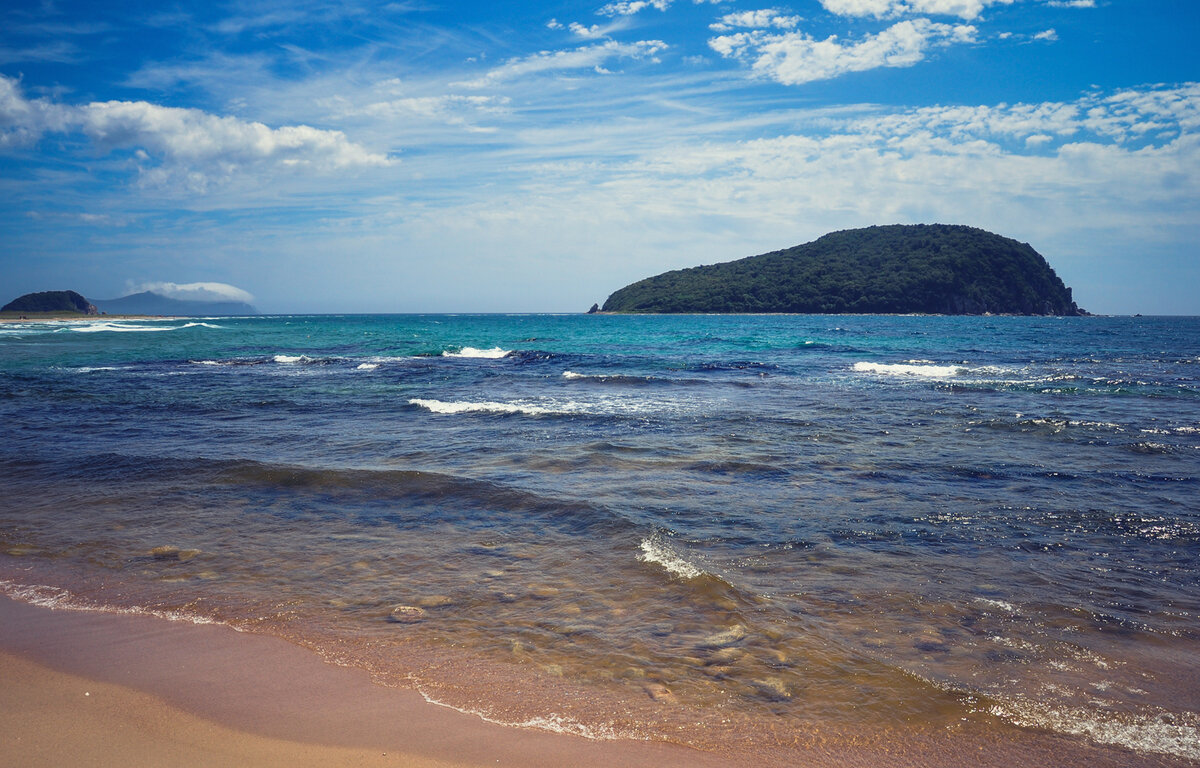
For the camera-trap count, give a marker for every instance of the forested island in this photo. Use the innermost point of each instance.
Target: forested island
(69, 303)
(58, 302)
(897, 269)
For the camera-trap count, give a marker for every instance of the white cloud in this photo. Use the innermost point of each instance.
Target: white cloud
(1071, 3)
(630, 7)
(755, 20)
(194, 291)
(882, 9)
(172, 142)
(196, 137)
(22, 120)
(1049, 35)
(588, 57)
(796, 58)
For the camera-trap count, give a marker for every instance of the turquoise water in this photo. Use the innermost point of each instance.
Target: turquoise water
(734, 532)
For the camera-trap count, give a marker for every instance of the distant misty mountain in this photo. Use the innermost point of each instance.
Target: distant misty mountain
(149, 303)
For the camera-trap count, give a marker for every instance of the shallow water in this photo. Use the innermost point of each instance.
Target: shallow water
(748, 533)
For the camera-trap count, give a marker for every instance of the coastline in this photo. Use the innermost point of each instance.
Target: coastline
(99, 689)
(119, 689)
(52, 317)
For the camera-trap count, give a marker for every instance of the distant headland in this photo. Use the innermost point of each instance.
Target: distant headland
(70, 303)
(898, 269)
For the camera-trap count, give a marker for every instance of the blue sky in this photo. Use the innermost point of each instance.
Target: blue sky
(415, 156)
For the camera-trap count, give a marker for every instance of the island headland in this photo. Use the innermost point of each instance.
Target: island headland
(68, 304)
(897, 269)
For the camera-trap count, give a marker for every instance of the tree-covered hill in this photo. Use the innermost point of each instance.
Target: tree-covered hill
(51, 301)
(921, 268)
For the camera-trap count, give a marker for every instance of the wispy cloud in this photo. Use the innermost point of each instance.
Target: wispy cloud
(794, 58)
(588, 57)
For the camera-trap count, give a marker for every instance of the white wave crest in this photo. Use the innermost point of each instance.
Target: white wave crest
(657, 551)
(912, 368)
(1167, 734)
(119, 328)
(57, 598)
(553, 723)
(573, 375)
(466, 406)
(292, 358)
(367, 366)
(494, 353)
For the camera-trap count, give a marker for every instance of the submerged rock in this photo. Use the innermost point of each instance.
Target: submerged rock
(773, 688)
(406, 614)
(731, 636)
(660, 692)
(168, 552)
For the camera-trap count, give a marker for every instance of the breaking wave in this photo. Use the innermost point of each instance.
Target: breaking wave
(659, 552)
(495, 353)
(919, 368)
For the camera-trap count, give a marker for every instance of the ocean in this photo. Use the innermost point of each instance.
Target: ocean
(768, 536)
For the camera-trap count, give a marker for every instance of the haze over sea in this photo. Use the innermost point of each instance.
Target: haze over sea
(770, 536)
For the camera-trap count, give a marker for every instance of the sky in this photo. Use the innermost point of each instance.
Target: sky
(429, 156)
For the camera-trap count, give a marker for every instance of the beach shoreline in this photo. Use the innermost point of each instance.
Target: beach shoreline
(16, 317)
(98, 688)
(140, 690)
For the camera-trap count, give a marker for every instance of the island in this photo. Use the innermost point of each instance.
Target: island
(896, 269)
(69, 304)
(56, 302)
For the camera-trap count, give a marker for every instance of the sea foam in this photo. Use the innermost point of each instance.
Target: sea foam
(1177, 734)
(910, 368)
(657, 551)
(494, 353)
(467, 406)
(554, 723)
(57, 598)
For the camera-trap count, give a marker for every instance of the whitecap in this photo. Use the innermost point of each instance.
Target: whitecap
(494, 353)
(573, 375)
(468, 406)
(367, 366)
(921, 369)
(1003, 605)
(292, 358)
(119, 328)
(657, 551)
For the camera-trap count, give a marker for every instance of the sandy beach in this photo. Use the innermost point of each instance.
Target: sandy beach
(100, 689)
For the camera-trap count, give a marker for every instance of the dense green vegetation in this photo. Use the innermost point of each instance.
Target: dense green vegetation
(922, 268)
(51, 301)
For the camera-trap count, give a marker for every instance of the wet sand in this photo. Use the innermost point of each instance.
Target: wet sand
(104, 689)
(101, 689)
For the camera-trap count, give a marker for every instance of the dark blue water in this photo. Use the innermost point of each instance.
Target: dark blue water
(644, 525)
